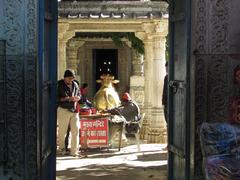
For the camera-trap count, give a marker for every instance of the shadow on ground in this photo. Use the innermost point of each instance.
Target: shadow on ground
(127, 164)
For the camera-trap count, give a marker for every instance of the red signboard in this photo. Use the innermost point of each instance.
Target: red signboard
(94, 132)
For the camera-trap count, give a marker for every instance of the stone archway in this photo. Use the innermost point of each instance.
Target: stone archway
(146, 75)
(80, 58)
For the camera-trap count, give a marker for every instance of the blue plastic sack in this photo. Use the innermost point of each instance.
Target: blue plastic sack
(218, 138)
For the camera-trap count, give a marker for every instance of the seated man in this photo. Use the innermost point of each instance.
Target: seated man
(130, 111)
(84, 99)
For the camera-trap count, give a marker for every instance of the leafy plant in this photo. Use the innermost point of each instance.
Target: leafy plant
(116, 37)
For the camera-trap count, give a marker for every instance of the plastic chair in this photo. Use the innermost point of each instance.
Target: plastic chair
(137, 134)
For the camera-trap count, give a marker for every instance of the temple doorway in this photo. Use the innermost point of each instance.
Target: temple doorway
(90, 46)
(105, 61)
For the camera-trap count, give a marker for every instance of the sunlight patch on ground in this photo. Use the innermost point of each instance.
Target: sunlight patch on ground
(128, 156)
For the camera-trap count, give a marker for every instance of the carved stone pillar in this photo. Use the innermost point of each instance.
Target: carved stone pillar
(81, 65)
(137, 79)
(154, 129)
(137, 63)
(63, 36)
(72, 55)
(122, 64)
(157, 129)
(148, 86)
(61, 57)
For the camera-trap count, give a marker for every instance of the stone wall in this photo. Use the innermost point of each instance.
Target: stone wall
(18, 21)
(216, 49)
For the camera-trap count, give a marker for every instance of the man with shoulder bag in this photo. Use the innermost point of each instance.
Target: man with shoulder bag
(68, 97)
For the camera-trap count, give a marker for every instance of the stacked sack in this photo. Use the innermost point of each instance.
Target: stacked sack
(220, 148)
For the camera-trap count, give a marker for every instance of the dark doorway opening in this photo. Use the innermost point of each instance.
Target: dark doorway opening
(105, 61)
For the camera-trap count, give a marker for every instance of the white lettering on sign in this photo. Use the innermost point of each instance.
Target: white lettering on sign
(87, 124)
(96, 141)
(94, 133)
(95, 124)
(101, 133)
(98, 123)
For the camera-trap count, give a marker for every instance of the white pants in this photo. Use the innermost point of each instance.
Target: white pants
(66, 117)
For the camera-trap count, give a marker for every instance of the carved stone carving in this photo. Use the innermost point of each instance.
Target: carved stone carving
(1, 20)
(15, 114)
(137, 63)
(141, 35)
(3, 119)
(211, 88)
(72, 53)
(161, 27)
(200, 110)
(13, 26)
(217, 85)
(62, 28)
(219, 26)
(137, 93)
(157, 135)
(148, 27)
(217, 64)
(13, 30)
(20, 30)
(31, 37)
(30, 117)
(200, 79)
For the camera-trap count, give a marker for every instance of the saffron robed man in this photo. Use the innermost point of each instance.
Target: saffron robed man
(67, 114)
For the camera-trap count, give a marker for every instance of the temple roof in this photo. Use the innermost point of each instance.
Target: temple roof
(112, 9)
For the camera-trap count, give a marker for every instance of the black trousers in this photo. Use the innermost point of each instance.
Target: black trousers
(165, 109)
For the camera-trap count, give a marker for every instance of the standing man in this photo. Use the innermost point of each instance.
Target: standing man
(165, 94)
(68, 97)
(165, 99)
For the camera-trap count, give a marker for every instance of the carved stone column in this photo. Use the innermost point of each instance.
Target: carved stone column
(157, 130)
(81, 65)
(137, 79)
(153, 34)
(72, 55)
(137, 63)
(61, 57)
(148, 85)
(63, 36)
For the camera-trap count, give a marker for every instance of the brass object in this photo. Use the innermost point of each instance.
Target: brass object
(106, 97)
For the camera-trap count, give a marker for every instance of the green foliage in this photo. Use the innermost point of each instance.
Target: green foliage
(116, 37)
(137, 44)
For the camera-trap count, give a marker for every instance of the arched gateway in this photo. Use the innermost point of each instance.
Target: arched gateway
(204, 60)
(84, 28)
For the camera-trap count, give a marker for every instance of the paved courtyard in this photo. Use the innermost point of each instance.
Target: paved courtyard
(127, 164)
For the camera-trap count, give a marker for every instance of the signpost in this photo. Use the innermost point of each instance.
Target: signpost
(94, 133)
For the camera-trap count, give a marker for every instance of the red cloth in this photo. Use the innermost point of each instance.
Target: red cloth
(235, 110)
(77, 110)
(83, 91)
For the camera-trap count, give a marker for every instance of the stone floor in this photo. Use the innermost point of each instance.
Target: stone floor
(127, 164)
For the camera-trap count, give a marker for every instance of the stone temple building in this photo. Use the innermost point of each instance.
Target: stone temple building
(37, 42)
(86, 32)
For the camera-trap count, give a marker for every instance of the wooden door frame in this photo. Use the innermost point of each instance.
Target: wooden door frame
(48, 155)
(190, 96)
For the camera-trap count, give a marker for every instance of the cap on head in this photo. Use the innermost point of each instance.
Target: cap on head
(126, 97)
(69, 73)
